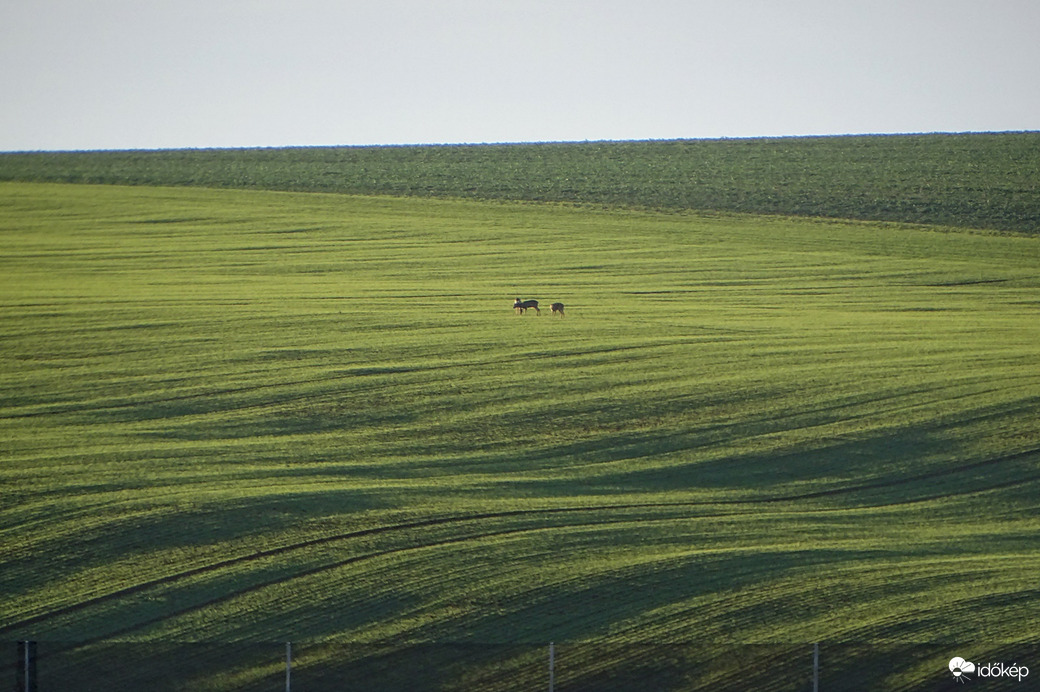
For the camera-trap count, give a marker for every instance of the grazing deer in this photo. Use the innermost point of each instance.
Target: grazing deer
(521, 306)
(557, 308)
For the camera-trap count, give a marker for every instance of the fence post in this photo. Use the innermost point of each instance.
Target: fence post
(288, 666)
(25, 668)
(552, 666)
(816, 667)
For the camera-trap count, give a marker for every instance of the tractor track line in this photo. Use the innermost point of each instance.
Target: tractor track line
(345, 562)
(81, 644)
(358, 371)
(464, 539)
(442, 521)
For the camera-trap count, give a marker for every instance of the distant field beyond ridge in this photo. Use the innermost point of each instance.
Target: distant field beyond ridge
(989, 181)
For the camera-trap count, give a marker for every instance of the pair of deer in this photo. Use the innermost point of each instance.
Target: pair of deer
(522, 306)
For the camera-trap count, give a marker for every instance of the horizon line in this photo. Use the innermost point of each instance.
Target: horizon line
(507, 143)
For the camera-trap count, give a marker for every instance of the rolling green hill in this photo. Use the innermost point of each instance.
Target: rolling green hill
(232, 418)
(967, 180)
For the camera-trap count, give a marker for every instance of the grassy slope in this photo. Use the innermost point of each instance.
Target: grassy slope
(971, 180)
(254, 416)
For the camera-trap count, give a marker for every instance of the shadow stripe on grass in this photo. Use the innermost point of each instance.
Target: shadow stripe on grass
(441, 521)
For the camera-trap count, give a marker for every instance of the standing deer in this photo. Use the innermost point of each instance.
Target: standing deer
(521, 306)
(557, 308)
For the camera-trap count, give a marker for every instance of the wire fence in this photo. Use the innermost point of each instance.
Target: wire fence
(556, 667)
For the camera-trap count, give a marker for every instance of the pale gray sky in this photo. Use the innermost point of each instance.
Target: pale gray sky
(123, 74)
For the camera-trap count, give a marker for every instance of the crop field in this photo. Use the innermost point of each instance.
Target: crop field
(980, 180)
(236, 418)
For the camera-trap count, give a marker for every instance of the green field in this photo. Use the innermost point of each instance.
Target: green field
(244, 417)
(984, 180)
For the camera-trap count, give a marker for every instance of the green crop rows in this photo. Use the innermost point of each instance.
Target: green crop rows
(975, 180)
(238, 417)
